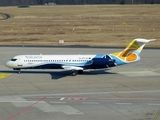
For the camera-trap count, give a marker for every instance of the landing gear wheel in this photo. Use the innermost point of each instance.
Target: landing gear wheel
(74, 74)
(80, 71)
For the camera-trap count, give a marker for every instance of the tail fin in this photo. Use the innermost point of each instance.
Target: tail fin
(132, 51)
(137, 45)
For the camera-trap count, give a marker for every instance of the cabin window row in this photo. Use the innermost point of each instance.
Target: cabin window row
(55, 60)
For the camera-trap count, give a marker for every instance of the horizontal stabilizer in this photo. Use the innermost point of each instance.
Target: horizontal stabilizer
(142, 40)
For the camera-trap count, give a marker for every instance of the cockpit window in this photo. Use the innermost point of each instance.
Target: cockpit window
(13, 59)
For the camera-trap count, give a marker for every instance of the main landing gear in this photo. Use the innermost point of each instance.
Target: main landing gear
(75, 72)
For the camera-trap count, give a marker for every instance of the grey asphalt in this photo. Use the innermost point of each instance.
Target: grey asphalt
(129, 92)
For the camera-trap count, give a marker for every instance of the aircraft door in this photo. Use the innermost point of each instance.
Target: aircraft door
(19, 62)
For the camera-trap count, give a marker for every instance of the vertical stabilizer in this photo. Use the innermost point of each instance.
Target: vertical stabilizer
(132, 51)
(137, 45)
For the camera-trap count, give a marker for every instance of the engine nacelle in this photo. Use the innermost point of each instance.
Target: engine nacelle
(104, 62)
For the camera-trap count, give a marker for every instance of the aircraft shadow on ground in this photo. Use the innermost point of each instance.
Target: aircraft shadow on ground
(56, 75)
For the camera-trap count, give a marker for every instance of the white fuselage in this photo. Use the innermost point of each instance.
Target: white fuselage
(29, 61)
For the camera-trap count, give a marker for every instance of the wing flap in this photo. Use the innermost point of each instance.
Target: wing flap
(72, 68)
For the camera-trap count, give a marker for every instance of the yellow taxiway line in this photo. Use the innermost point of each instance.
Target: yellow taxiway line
(155, 118)
(2, 75)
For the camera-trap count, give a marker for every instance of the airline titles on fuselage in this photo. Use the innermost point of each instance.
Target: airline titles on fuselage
(39, 58)
(34, 57)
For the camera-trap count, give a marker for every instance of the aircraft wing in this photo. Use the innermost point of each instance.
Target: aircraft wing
(72, 68)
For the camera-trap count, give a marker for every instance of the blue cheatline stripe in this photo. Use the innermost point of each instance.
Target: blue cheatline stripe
(59, 64)
(117, 60)
(99, 56)
(68, 63)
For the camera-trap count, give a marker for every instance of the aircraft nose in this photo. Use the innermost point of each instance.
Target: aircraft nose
(8, 64)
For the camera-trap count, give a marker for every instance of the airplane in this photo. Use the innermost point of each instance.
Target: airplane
(78, 63)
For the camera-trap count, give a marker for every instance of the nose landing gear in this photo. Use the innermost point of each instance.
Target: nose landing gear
(19, 70)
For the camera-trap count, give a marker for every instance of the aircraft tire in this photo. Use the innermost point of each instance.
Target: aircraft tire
(80, 71)
(74, 74)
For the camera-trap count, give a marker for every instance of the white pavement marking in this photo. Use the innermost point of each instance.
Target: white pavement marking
(90, 103)
(25, 103)
(139, 73)
(19, 104)
(21, 101)
(58, 108)
(153, 104)
(123, 103)
(44, 106)
(62, 98)
(10, 99)
(57, 102)
(153, 101)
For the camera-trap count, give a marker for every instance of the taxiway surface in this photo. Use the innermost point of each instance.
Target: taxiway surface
(129, 92)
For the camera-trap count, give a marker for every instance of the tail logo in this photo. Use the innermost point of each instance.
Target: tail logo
(126, 55)
(131, 52)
